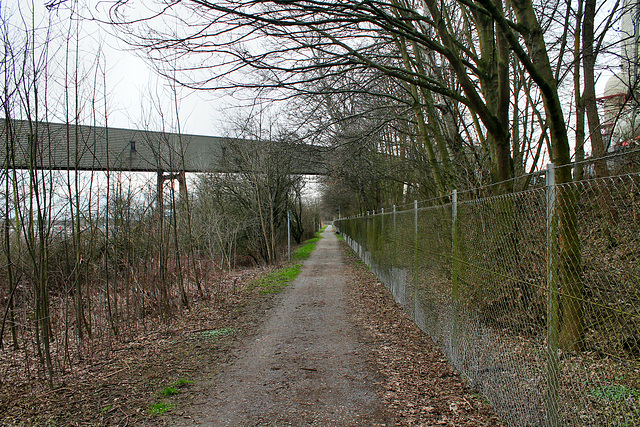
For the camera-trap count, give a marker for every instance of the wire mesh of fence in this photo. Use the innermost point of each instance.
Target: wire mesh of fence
(534, 295)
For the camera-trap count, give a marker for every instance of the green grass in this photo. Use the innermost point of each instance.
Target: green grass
(160, 408)
(615, 392)
(216, 334)
(277, 280)
(304, 251)
(319, 232)
(173, 389)
(169, 391)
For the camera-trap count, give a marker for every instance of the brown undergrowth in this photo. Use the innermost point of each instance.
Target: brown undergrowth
(127, 383)
(419, 385)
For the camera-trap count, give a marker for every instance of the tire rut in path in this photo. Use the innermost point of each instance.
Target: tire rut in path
(305, 366)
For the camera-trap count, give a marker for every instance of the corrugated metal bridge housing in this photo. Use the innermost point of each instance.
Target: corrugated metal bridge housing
(45, 145)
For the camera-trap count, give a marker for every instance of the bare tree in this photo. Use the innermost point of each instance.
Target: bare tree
(473, 41)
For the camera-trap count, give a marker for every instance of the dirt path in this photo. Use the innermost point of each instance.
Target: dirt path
(306, 365)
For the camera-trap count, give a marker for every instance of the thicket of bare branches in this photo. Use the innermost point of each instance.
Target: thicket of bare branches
(483, 90)
(90, 258)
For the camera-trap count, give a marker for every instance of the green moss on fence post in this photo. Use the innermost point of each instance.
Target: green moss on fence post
(395, 238)
(455, 264)
(415, 258)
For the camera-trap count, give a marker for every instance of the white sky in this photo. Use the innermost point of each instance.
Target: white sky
(131, 80)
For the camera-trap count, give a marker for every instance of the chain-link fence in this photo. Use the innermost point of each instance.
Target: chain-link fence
(534, 296)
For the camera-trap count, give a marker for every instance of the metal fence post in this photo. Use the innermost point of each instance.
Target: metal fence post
(415, 257)
(454, 245)
(455, 270)
(382, 237)
(395, 237)
(553, 303)
(289, 235)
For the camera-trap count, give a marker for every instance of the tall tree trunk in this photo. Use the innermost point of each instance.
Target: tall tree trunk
(578, 173)
(9, 146)
(495, 97)
(536, 62)
(589, 97)
(495, 88)
(571, 316)
(416, 106)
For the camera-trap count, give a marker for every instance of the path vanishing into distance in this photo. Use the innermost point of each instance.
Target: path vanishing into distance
(305, 366)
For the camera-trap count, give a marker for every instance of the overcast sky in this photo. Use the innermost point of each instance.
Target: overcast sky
(131, 81)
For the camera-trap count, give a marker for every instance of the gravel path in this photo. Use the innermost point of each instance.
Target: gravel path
(307, 364)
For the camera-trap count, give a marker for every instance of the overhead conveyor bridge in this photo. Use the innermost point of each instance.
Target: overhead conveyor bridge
(55, 146)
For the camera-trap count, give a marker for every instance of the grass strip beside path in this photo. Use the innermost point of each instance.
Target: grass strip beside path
(275, 281)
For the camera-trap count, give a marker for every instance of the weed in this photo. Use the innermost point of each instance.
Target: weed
(107, 408)
(169, 391)
(52, 422)
(160, 408)
(216, 334)
(481, 397)
(181, 382)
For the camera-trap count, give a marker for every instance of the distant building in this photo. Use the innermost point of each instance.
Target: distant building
(620, 102)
